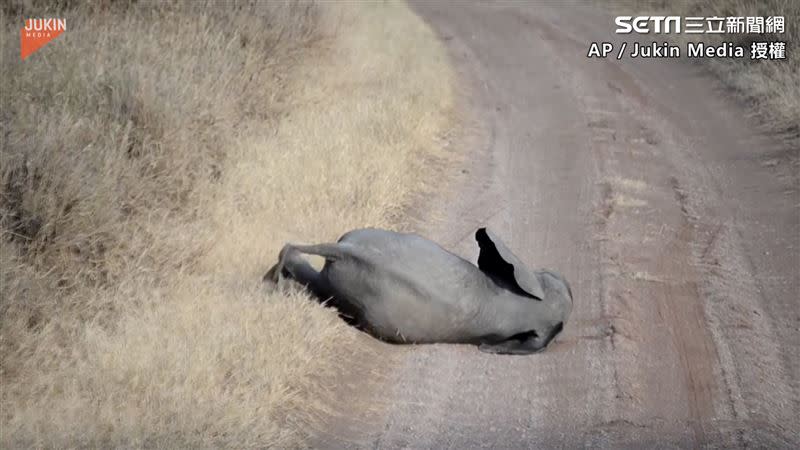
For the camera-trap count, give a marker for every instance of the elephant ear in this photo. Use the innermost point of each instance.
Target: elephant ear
(497, 261)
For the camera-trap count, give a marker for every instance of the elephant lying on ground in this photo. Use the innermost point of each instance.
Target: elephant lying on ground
(404, 288)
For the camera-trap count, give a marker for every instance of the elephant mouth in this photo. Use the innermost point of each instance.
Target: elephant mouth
(524, 336)
(532, 334)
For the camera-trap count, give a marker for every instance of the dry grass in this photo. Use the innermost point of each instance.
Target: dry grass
(154, 160)
(772, 87)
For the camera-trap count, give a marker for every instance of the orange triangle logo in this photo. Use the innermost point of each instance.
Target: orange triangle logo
(38, 32)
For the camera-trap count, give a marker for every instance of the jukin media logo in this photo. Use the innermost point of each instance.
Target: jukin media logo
(37, 33)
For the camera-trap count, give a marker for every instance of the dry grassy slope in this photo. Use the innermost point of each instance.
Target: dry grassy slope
(772, 87)
(148, 180)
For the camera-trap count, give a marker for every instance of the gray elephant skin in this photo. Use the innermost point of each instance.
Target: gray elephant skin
(403, 288)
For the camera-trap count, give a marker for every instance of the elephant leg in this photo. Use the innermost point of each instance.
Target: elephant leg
(331, 252)
(275, 273)
(292, 265)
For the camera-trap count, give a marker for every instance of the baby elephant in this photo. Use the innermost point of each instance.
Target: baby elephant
(404, 288)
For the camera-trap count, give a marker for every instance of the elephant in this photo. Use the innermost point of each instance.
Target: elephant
(404, 288)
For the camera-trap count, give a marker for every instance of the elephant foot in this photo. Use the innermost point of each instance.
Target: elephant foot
(271, 275)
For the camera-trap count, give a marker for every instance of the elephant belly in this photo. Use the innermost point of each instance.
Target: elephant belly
(413, 320)
(399, 309)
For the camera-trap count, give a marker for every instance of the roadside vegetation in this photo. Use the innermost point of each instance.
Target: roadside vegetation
(772, 88)
(153, 159)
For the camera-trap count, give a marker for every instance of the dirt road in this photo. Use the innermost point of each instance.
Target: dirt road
(677, 222)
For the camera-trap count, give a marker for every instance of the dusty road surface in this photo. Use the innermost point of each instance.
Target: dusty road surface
(676, 221)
